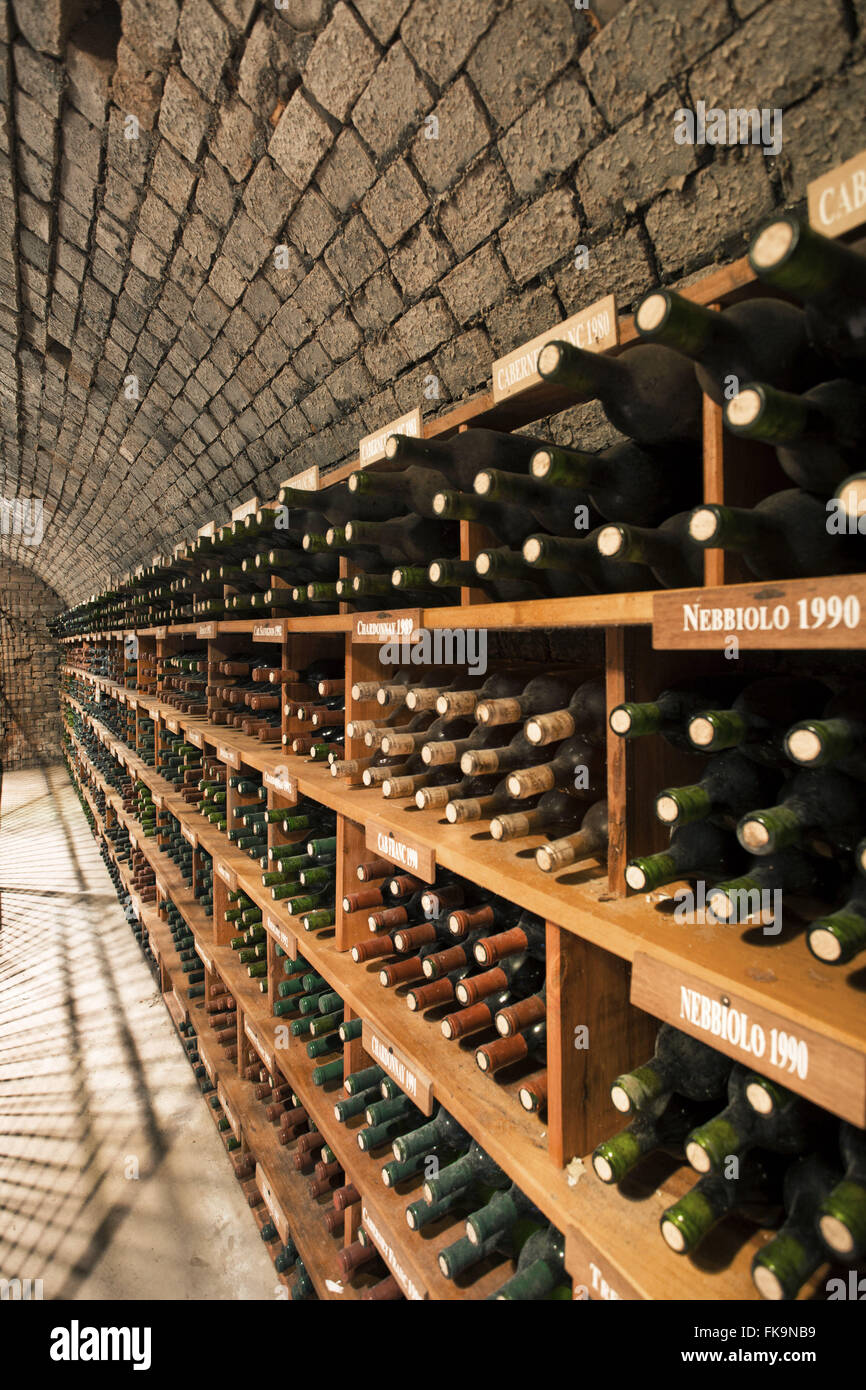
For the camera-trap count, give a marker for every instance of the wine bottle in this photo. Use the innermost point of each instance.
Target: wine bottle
(500, 1213)
(649, 1132)
(838, 737)
(442, 1131)
(668, 551)
(461, 456)
(668, 714)
(579, 765)
(782, 1266)
(839, 936)
(540, 1268)
(815, 801)
(758, 719)
(753, 340)
(680, 1063)
(584, 714)
(826, 275)
(818, 437)
(505, 757)
(698, 850)
(753, 895)
(729, 785)
(577, 566)
(756, 1194)
(475, 1166)
(538, 696)
(842, 1215)
(787, 1124)
(553, 508)
(648, 393)
(521, 972)
(625, 482)
(413, 539)
(445, 574)
(507, 523)
(483, 807)
(590, 841)
(557, 811)
(784, 536)
(466, 788)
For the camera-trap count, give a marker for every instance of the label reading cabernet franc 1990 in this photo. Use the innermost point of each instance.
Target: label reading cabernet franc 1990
(837, 201)
(595, 329)
(789, 613)
(372, 446)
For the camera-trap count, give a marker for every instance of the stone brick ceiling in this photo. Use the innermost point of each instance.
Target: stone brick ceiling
(236, 236)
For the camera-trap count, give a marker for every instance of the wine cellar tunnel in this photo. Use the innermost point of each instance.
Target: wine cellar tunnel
(433, 603)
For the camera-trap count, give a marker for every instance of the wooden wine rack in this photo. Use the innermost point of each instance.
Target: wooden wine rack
(616, 964)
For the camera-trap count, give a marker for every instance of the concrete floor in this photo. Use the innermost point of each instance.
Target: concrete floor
(114, 1183)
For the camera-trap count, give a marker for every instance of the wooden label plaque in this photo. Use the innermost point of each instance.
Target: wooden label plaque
(812, 1064)
(372, 629)
(245, 509)
(193, 738)
(593, 1274)
(172, 726)
(152, 941)
(204, 956)
(228, 876)
(229, 755)
(208, 1068)
(260, 1045)
(273, 631)
(595, 329)
(417, 1086)
(160, 633)
(206, 631)
(281, 782)
(308, 481)
(159, 801)
(189, 835)
(414, 858)
(824, 613)
(278, 1216)
(282, 936)
(372, 446)
(229, 1112)
(837, 201)
(377, 1231)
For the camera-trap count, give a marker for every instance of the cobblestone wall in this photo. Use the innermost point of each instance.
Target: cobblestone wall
(236, 236)
(29, 705)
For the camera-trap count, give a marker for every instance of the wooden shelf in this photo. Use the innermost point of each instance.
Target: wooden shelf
(773, 975)
(617, 1250)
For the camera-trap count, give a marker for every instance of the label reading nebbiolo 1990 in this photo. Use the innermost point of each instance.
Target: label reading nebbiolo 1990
(813, 1064)
(823, 613)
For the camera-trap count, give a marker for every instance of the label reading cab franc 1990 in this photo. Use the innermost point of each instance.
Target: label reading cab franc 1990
(416, 859)
(281, 782)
